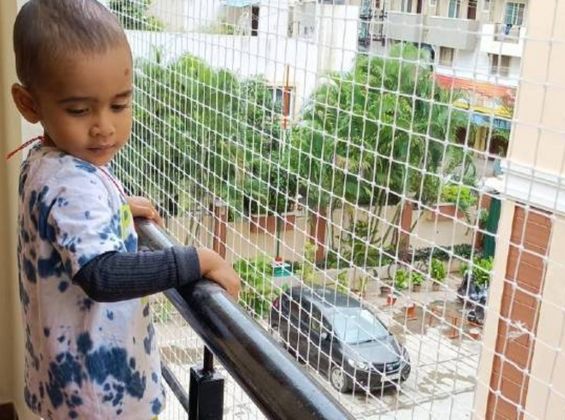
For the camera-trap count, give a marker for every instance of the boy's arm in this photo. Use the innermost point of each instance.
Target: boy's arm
(116, 276)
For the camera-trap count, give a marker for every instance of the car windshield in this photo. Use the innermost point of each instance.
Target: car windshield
(357, 325)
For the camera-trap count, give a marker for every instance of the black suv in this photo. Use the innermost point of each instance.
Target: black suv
(339, 337)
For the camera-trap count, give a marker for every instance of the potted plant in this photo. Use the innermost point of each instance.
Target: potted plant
(401, 280)
(482, 271)
(386, 289)
(456, 201)
(416, 280)
(438, 274)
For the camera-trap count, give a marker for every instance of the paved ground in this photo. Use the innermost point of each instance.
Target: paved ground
(441, 385)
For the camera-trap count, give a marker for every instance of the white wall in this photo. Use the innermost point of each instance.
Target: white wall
(476, 65)
(268, 55)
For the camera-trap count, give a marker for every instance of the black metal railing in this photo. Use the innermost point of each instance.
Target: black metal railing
(271, 378)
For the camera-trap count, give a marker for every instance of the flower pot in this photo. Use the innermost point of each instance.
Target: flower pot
(386, 290)
(436, 286)
(416, 287)
(445, 212)
(390, 299)
(268, 223)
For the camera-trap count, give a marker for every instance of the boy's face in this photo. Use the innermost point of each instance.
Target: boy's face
(85, 105)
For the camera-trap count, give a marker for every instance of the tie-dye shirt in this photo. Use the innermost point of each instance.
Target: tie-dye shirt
(84, 359)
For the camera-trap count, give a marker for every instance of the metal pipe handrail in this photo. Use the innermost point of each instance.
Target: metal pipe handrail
(271, 378)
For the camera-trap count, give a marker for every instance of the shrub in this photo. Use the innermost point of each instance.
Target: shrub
(256, 287)
(401, 278)
(416, 279)
(438, 271)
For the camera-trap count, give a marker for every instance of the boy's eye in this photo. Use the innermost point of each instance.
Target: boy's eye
(120, 107)
(77, 111)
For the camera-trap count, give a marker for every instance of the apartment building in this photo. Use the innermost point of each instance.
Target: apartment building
(474, 46)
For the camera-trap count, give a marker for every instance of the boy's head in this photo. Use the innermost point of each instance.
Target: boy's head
(75, 68)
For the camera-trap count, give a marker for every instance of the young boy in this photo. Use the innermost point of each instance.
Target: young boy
(90, 346)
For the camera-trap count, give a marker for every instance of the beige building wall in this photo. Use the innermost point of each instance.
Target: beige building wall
(11, 350)
(539, 141)
(491, 325)
(534, 176)
(546, 394)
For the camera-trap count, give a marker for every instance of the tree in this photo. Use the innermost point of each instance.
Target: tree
(377, 135)
(133, 15)
(206, 132)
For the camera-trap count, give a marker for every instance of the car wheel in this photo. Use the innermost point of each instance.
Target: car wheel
(340, 380)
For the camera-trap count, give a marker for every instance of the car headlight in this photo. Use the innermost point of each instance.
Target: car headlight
(358, 364)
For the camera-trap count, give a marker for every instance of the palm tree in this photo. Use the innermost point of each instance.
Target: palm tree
(375, 136)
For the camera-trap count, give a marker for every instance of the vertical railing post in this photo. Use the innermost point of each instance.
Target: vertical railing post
(220, 227)
(206, 393)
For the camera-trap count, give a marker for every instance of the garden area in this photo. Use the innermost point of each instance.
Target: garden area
(371, 160)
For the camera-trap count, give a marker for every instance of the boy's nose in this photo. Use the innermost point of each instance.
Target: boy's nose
(103, 127)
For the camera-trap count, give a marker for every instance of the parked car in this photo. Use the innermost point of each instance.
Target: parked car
(339, 337)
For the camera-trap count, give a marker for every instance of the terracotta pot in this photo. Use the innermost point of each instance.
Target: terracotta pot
(390, 299)
(436, 286)
(445, 212)
(416, 287)
(386, 290)
(268, 224)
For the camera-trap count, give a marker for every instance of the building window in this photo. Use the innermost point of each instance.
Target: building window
(446, 56)
(472, 10)
(486, 5)
(514, 14)
(500, 65)
(454, 8)
(254, 20)
(406, 6)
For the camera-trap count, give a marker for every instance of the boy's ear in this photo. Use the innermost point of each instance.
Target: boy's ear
(25, 103)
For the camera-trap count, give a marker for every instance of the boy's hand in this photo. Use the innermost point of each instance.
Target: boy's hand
(142, 207)
(215, 268)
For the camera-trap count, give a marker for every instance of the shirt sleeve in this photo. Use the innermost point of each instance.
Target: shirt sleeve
(82, 219)
(118, 276)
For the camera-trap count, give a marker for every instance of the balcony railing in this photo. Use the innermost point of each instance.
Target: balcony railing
(275, 382)
(507, 33)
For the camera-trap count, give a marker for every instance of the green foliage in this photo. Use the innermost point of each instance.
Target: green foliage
(483, 218)
(401, 279)
(206, 130)
(342, 284)
(360, 247)
(308, 270)
(482, 270)
(133, 15)
(256, 289)
(416, 279)
(460, 195)
(438, 271)
(383, 124)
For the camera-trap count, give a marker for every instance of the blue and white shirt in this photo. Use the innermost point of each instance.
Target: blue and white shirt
(84, 359)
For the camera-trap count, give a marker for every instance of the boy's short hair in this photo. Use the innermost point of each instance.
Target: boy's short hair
(46, 29)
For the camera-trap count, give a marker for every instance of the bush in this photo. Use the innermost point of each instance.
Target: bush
(460, 195)
(482, 271)
(416, 279)
(132, 14)
(438, 271)
(401, 279)
(256, 287)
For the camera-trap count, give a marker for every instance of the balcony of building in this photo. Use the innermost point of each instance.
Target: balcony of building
(434, 30)
(503, 39)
